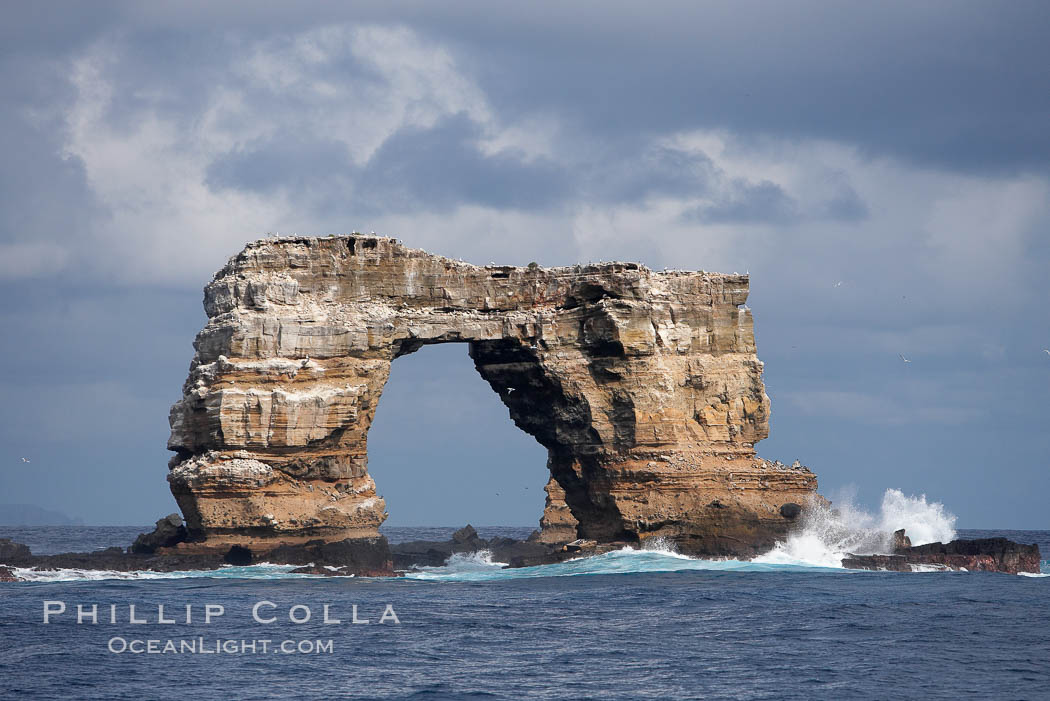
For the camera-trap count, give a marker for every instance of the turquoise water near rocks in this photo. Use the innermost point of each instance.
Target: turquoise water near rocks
(625, 625)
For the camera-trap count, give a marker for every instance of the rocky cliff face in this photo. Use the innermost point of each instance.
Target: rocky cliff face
(644, 387)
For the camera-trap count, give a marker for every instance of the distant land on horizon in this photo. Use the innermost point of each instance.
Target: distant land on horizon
(32, 515)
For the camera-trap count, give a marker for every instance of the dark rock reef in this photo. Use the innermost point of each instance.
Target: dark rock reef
(373, 557)
(169, 531)
(427, 553)
(14, 554)
(978, 555)
(355, 556)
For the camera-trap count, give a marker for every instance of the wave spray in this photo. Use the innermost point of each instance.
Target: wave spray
(827, 533)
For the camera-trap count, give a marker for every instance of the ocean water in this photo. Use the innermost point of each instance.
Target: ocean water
(624, 625)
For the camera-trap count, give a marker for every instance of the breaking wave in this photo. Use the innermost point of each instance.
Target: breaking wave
(825, 536)
(827, 533)
(624, 561)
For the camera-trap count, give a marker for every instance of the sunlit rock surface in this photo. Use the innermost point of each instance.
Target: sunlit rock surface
(643, 386)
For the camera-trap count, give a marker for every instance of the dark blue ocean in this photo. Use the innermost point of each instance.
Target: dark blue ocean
(628, 625)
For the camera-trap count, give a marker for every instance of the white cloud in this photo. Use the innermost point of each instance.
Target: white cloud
(930, 235)
(357, 85)
(937, 231)
(149, 169)
(530, 138)
(164, 222)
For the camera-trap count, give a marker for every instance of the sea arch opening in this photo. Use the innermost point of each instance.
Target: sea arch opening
(443, 450)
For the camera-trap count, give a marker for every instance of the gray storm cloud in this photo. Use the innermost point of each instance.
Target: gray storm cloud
(881, 171)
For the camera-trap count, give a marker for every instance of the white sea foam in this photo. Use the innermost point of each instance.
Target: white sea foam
(827, 533)
(260, 571)
(465, 568)
(461, 565)
(662, 546)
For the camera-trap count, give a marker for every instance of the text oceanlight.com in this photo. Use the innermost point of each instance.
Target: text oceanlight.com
(200, 646)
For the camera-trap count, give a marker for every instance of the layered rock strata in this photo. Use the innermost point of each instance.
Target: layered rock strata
(643, 386)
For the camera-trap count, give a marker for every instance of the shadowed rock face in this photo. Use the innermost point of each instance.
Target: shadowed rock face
(644, 387)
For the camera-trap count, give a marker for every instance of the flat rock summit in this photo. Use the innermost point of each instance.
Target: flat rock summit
(643, 386)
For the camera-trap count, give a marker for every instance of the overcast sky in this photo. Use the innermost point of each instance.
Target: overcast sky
(881, 169)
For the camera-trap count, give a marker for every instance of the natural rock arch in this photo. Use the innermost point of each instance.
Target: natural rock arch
(644, 387)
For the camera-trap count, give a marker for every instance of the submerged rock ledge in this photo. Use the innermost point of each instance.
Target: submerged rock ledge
(373, 557)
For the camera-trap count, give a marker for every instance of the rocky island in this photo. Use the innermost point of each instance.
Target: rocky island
(643, 386)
